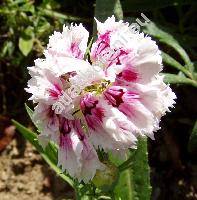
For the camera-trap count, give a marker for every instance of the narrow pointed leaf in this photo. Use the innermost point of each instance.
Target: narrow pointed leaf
(29, 111)
(168, 39)
(176, 79)
(172, 62)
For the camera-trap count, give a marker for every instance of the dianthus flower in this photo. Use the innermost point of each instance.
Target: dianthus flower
(106, 102)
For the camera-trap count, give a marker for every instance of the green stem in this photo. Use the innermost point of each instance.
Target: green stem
(77, 194)
(88, 48)
(172, 62)
(125, 165)
(77, 190)
(54, 14)
(130, 185)
(175, 79)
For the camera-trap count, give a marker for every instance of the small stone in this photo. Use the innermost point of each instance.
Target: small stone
(4, 176)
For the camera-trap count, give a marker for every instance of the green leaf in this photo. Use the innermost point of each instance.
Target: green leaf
(192, 146)
(43, 28)
(136, 177)
(141, 171)
(124, 187)
(25, 45)
(49, 154)
(29, 111)
(29, 135)
(26, 41)
(57, 15)
(7, 49)
(176, 79)
(168, 39)
(103, 10)
(172, 62)
(139, 5)
(28, 7)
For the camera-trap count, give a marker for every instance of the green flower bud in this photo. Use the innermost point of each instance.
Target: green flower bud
(106, 179)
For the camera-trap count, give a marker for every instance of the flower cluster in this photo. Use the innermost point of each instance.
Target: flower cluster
(121, 95)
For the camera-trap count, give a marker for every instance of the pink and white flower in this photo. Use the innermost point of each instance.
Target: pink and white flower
(61, 82)
(120, 95)
(47, 123)
(72, 42)
(137, 54)
(108, 127)
(75, 154)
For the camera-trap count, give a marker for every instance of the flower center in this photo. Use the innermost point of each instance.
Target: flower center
(98, 88)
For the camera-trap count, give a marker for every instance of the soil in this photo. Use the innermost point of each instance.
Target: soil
(24, 175)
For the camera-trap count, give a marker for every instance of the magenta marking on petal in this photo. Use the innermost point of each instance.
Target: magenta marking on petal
(65, 126)
(55, 91)
(123, 99)
(114, 95)
(78, 128)
(128, 75)
(53, 119)
(127, 109)
(50, 112)
(93, 114)
(130, 97)
(89, 108)
(87, 103)
(76, 52)
(103, 52)
(115, 57)
(102, 44)
(117, 96)
(105, 37)
(65, 142)
(102, 49)
(95, 119)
